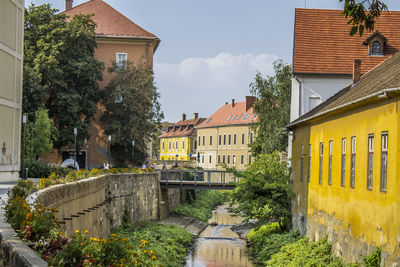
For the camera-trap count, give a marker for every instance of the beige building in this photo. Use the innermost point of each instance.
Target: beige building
(225, 136)
(11, 53)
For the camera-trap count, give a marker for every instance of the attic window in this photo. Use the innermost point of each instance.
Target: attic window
(376, 48)
(230, 116)
(376, 44)
(247, 115)
(208, 121)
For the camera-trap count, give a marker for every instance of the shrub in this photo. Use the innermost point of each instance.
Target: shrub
(373, 259)
(37, 169)
(304, 253)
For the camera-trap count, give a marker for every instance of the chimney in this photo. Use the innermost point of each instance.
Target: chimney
(68, 4)
(250, 101)
(226, 103)
(196, 115)
(356, 70)
(233, 102)
(183, 116)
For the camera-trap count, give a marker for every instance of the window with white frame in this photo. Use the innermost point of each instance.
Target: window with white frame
(210, 159)
(210, 140)
(241, 159)
(343, 163)
(234, 159)
(183, 145)
(204, 140)
(228, 159)
(321, 158)
(121, 59)
(234, 139)
(353, 162)
(370, 161)
(229, 139)
(243, 137)
(384, 161)
(330, 162)
(301, 163)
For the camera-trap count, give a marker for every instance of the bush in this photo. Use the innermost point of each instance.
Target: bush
(37, 169)
(203, 204)
(373, 260)
(304, 253)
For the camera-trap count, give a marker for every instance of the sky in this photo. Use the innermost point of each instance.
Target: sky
(211, 50)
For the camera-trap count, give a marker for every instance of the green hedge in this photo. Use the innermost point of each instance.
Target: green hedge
(37, 169)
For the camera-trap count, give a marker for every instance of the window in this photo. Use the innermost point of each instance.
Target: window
(230, 116)
(313, 101)
(120, 59)
(353, 163)
(370, 160)
(219, 158)
(199, 143)
(234, 159)
(251, 138)
(249, 159)
(243, 139)
(229, 159)
(219, 139)
(210, 140)
(234, 139)
(343, 163)
(321, 157)
(183, 145)
(195, 144)
(247, 115)
(176, 144)
(163, 146)
(330, 162)
(238, 118)
(210, 159)
(204, 140)
(169, 145)
(309, 163)
(384, 161)
(223, 158)
(241, 159)
(376, 48)
(202, 159)
(229, 139)
(224, 139)
(301, 163)
(234, 117)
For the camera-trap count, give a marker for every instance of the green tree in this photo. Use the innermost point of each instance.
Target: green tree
(60, 71)
(272, 108)
(362, 14)
(264, 191)
(132, 111)
(39, 135)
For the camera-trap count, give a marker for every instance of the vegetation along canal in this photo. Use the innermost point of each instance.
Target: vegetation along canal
(218, 245)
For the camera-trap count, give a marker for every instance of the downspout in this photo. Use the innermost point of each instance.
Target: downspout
(300, 93)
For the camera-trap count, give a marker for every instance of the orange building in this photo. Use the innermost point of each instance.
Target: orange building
(118, 39)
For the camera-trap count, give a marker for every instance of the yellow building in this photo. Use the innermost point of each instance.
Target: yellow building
(179, 141)
(11, 54)
(224, 136)
(345, 161)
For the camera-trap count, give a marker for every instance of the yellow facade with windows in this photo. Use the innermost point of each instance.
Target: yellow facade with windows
(351, 213)
(177, 148)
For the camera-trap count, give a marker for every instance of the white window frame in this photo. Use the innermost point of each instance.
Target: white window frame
(118, 62)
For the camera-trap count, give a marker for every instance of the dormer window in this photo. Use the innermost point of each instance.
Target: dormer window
(376, 44)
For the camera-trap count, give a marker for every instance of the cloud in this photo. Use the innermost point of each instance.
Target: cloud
(202, 85)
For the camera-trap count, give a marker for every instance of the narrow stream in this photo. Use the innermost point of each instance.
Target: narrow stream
(219, 245)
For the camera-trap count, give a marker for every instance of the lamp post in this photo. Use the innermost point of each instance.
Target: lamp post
(109, 149)
(75, 134)
(133, 150)
(23, 147)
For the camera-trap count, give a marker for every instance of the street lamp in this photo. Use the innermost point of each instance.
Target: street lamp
(23, 147)
(75, 134)
(133, 150)
(109, 149)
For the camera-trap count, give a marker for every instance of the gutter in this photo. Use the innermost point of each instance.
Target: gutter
(381, 94)
(132, 37)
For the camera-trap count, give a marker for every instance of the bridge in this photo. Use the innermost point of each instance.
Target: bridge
(198, 179)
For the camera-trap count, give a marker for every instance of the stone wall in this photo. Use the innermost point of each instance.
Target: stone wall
(98, 204)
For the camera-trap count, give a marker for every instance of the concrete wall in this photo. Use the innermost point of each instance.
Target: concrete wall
(11, 53)
(98, 204)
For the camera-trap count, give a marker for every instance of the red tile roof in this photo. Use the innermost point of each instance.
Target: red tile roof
(109, 21)
(228, 115)
(182, 128)
(322, 43)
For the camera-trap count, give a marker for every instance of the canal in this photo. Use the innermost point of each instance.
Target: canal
(218, 245)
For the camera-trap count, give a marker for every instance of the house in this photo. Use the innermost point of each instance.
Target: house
(11, 56)
(323, 54)
(224, 137)
(118, 40)
(345, 160)
(179, 140)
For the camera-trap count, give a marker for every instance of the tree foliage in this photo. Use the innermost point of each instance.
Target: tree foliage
(264, 191)
(132, 111)
(272, 108)
(362, 14)
(39, 135)
(60, 71)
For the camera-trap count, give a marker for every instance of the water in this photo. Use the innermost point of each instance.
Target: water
(219, 245)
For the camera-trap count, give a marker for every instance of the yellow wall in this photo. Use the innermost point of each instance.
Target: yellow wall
(184, 153)
(367, 215)
(226, 150)
(11, 53)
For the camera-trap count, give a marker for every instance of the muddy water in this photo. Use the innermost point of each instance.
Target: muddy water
(219, 245)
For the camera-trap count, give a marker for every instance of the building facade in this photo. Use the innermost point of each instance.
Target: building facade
(323, 54)
(345, 167)
(225, 136)
(11, 58)
(179, 141)
(118, 40)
